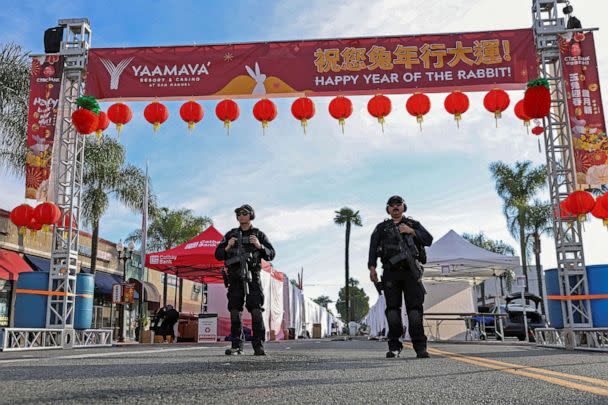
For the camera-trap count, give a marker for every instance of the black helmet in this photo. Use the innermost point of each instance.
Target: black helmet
(396, 200)
(246, 207)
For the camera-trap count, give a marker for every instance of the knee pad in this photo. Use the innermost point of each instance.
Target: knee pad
(256, 315)
(393, 315)
(235, 315)
(414, 316)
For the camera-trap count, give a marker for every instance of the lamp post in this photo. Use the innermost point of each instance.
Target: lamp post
(124, 254)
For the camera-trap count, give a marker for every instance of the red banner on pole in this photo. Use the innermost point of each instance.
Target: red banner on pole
(585, 108)
(431, 63)
(45, 89)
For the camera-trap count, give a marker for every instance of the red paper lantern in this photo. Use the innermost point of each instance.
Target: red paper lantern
(102, 124)
(456, 103)
(564, 212)
(537, 99)
(418, 105)
(21, 216)
(34, 227)
(303, 109)
(600, 210)
(47, 214)
(538, 130)
(580, 203)
(227, 111)
(120, 114)
(192, 113)
(521, 114)
(379, 107)
(265, 111)
(496, 101)
(84, 121)
(341, 108)
(156, 113)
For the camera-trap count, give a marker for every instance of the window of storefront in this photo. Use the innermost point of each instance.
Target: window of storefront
(5, 302)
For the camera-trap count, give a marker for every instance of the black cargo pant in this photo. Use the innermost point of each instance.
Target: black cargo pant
(398, 284)
(253, 302)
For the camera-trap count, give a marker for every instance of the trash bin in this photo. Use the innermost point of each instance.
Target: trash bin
(316, 331)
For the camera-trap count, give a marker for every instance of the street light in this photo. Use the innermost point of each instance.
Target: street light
(124, 254)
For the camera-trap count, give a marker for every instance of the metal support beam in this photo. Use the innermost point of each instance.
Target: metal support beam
(560, 166)
(68, 164)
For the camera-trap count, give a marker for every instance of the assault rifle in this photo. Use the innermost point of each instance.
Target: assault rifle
(407, 252)
(244, 259)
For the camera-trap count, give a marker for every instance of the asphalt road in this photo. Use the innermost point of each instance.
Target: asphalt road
(311, 372)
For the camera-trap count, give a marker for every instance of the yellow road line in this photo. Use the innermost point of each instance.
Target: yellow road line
(530, 372)
(591, 380)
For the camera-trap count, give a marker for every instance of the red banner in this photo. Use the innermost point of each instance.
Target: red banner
(585, 108)
(432, 63)
(45, 88)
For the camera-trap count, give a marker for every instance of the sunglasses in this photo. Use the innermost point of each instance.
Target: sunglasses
(242, 213)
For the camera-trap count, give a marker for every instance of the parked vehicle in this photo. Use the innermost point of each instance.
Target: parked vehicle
(514, 322)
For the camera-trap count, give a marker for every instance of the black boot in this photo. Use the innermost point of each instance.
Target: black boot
(422, 354)
(233, 350)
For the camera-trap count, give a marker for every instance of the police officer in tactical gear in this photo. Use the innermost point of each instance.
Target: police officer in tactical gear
(242, 249)
(399, 242)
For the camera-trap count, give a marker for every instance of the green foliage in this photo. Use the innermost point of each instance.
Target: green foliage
(170, 228)
(496, 246)
(323, 300)
(539, 82)
(359, 301)
(14, 94)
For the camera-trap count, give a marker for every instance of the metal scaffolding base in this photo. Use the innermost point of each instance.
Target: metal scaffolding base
(593, 339)
(21, 339)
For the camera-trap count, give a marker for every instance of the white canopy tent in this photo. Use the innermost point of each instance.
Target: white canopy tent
(453, 258)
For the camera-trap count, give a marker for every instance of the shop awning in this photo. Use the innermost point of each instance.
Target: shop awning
(151, 293)
(11, 264)
(104, 282)
(39, 263)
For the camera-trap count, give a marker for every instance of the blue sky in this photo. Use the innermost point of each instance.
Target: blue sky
(295, 182)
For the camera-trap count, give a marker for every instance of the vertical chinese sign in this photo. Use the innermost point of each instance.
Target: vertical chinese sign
(585, 108)
(45, 88)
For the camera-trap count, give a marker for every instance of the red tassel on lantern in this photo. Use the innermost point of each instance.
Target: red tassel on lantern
(379, 107)
(418, 105)
(341, 108)
(120, 114)
(227, 111)
(102, 124)
(156, 113)
(303, 109)
(456, 103)
(34, 227)
(265, 111)
(21, 216)
(192, 113)
(537, 99)
(496, 101)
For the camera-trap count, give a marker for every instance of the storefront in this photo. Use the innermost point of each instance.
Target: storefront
(6, 291)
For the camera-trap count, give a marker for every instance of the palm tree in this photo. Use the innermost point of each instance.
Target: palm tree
(347, 216)
(14, 95)
(170, 228)
(516, 186)
(107, 175)
(539, 222)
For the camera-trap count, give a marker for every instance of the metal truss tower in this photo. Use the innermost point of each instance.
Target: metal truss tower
(560, 165)
(68, 169)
